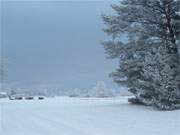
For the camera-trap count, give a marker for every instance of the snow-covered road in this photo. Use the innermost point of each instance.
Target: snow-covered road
(78, 116)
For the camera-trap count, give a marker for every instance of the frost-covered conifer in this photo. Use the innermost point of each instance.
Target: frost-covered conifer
(149, 60)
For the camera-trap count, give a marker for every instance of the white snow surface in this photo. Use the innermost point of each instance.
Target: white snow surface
(85, 116)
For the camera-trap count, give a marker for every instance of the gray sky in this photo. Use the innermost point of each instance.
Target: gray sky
(55, 43)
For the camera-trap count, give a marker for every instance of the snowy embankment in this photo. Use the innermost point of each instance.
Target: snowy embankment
(83, 116)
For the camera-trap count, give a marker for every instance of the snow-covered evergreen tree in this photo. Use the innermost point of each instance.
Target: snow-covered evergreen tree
(100, 90)
(149, 59)
(75, 93)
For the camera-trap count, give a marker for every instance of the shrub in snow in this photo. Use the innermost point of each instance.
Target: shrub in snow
(75, 93)
(100, 90)
(149, 61)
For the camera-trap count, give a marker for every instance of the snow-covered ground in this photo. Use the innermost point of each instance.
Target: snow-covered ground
(82, 116)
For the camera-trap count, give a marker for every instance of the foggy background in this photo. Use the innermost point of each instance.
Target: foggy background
(55, 43)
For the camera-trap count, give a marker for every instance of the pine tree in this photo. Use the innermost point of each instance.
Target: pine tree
(149, 60)
(100, 90)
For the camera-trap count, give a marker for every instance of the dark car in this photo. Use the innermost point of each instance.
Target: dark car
(18, 98)
(29, 98)
(40, 98)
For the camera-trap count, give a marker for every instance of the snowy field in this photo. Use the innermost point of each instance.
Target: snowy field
(80, 116)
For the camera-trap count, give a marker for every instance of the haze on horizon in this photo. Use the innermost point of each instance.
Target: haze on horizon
(55, 43)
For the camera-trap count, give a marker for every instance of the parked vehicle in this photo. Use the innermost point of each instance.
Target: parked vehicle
(29, 98)
(16, 97)
(40, 98)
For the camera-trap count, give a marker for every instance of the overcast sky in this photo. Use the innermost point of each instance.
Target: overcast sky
(55, 43)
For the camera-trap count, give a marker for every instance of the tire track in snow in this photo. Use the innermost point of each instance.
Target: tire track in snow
(49, 125)
(68, 130)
